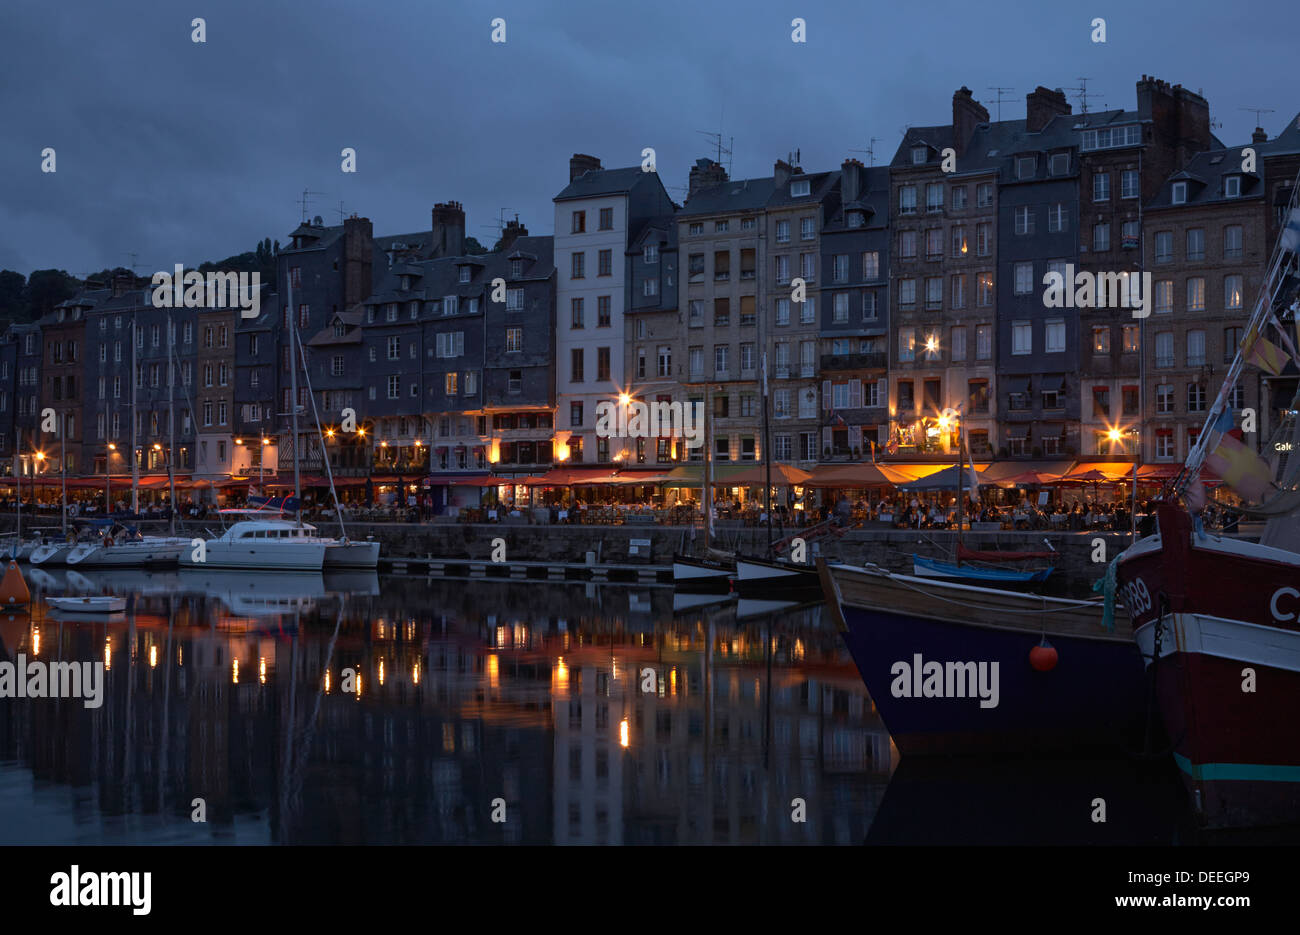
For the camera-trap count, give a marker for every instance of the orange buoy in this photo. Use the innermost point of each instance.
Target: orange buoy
(1043, 657)
(13, 589)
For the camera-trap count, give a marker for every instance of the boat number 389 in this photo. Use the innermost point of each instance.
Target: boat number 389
(1136, 597)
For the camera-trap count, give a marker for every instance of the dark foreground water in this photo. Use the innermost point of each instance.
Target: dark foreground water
(575, 713)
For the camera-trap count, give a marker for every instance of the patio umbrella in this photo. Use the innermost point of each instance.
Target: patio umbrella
(1025, 478)
(782, 475)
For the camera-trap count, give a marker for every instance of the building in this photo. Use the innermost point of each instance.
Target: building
(595, 217)
(855, 245)
(653, 323)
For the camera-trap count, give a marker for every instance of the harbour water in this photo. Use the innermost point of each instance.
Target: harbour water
(288, 709)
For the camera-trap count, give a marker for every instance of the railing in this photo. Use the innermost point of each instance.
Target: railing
(873, 360)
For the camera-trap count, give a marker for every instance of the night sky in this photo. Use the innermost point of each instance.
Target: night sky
(184, 152)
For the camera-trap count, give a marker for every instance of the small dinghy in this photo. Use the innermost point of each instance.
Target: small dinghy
(89, 605)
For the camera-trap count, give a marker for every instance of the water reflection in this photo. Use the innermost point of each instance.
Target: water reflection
(333, 710)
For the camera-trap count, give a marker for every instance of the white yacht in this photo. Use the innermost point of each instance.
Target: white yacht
(271, 544)
(119, 547)
(54, 552)
(347, 553)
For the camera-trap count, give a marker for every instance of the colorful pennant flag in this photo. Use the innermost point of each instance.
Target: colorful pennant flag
(1240, 468)
(1224, 423)
(1267, 356)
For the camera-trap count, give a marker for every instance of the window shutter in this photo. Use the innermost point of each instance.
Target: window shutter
(882, 392)
(826, 394)
(855, 394)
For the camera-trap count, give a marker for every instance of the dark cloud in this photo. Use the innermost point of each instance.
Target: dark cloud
(185, 152)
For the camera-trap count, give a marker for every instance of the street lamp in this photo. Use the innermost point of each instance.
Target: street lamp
(108, 480)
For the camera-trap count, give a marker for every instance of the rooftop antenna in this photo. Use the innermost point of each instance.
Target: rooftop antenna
(342, 213)
(716, 140)
(870, 150)
(305, 201)
(999, 93)
(1082, 94)
(1259, 113)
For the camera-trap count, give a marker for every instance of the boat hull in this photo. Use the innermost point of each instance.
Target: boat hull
(128, 554)
(693, 574)
(352, 555)
(55, 554)
(1093, 698)
(298, 556)
(934, 568)
(1226, 664)
(756, 578)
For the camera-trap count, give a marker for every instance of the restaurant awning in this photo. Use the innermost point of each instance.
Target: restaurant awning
(464, 480)
(947, 479)
(903, 472)
(1000, 471)
(1100, 471)
(782, 475)
(848, 475)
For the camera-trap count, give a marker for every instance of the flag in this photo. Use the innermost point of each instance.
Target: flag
(1224, 423)
(1240, 468)
(1286, 340)
(1291, 233)
(1267, 356)
(972, 479)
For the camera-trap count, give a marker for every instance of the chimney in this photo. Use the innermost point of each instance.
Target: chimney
(1259, 136)
(512, 232)
(448, 229)
(851, 180)
(781, 172)
(580, 165)
(1041, 105)
(705, 173)
(122, 284)
(358, 258)
(967, 114)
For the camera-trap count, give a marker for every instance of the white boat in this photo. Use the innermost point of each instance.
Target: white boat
(118, 548)
(94, 604)
(281, 592)
(347, 553)
(52, 553)
(261, 544)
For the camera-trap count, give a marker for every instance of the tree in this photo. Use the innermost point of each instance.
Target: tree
(12, 303)
(46, 288)
(473, 248)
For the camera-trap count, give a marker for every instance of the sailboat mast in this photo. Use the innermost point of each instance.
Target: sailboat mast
(18, 476)
(293, 400)
(171, 421)
(767, 458)
(961, 484)
(707, 493)
(135, 458)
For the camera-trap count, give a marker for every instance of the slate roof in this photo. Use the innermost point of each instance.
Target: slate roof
(730, 197)
(598, 182)
(1205, 173)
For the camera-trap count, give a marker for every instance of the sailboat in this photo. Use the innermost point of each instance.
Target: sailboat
(714, 571)
(974, 565)
(1217, 619)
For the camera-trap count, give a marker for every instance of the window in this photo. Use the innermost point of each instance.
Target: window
(934, 243)
(907, 245)
(605, 263)
(783, 231)
(907, 292)
(1131, 231)
(1232, 186)
(781, 404)
(394, 348)
(1101, 186)
(1164, 398)
(1026, 167)
(1129, 186)
(514, 340)
(1232, 290)
(985, 284)
(1195, 243)
(840, 267)
(800, 187)
(1101, 339)
(606, 219)
(1054, 336)
(1232, 242)
(1164, 296)
(959, 196)
(983, 342)
(1058, 218)
(959, 244)
(869, 306)
(650, 287)
(578, 265)
(1024, 278)
(720, 352)
(1164, 246)
(1196, 294)
(1231, 341)
(1165, 349)
(721, 313)
(934, 292)
(450, 383)
(1195, 397)
(957, 343)
(984, 239)
(919, 155)
(579, 222)
(1022, 337)
(807, 228)
(602, 311)
(1179, 196)
(840, 308)
(1101, 402)
(1101, 236)
(394, 386)
(957, 290)
(1132, 339)
(934, 197)
(1024, 220)
(1060, 164)
(602, 363)
(782, 270)
(984, 195)
(906, 199)
(1165, 443)
(1196, 347)
(906, 344)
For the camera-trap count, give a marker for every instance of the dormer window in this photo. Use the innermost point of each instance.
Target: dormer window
(1026, 166)
(919, 155)
(1232, 186)
(800, 187)
(466, 274)
(1060, 163)
(339, 328)
(1180, 193)
(855, 219)
(405, 282)
(651, 254)
(59, 315)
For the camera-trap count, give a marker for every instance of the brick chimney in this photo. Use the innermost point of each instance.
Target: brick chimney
(1180, 119)
(851, 178)
(512, 232)
(782, 171)
(358, 258)
(448, 229)
(122, 284)
(1259, 136)
(967, 114)
(580, 165)
(1041, 105)
(705, 173)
